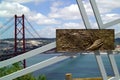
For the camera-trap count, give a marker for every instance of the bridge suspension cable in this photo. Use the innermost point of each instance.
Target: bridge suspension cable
(29, 32)
(6, 29)
(32, 27)
(7, 22)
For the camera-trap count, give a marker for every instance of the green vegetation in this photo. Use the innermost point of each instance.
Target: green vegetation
(15, 67)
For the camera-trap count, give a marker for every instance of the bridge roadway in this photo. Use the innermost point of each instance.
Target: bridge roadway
(7, 56)
(33, 67)
(10, 55)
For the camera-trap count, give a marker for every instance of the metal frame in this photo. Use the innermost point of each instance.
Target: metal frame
(101, 65)
(60, 58)
(27, 54)
(19, 29)
(114, 65)
(98, 17)
(34, 67)
(100, 25)
(83, 14)
(97, 54)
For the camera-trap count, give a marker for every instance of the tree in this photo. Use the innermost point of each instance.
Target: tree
(18, 66)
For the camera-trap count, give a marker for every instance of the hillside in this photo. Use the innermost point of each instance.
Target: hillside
(117, 41)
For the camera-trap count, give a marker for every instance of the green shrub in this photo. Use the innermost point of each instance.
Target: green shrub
(18, 66)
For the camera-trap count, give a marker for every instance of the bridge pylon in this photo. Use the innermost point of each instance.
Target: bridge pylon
(19, 34)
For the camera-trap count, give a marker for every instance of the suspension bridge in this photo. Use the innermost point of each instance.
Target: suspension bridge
(20, 28)
(19, 36)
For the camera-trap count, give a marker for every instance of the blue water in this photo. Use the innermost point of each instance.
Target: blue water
(82, 66)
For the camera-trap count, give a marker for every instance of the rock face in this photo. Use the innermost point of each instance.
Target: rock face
(96, 45)
(76, 40)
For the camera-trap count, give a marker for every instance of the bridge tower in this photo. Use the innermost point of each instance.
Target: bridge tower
(19, 34)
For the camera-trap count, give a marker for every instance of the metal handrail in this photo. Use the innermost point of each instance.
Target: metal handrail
(27, 54)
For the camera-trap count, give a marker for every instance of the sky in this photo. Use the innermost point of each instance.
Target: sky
(48, 15)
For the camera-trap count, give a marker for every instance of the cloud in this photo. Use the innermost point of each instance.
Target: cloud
(107, 9)
(88, 8)
(70, 12)
(19, 1)
(107, 5)
(48, 21)
(57, 4)
(10, 9)
(42, 19)
(25, 1)
(110, 17)
(50, 31)
(73, 25)
(61, 15)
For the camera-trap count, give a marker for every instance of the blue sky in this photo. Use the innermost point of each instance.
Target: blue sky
(48, 15)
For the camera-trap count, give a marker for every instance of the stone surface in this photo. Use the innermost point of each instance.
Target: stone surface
(77, 40)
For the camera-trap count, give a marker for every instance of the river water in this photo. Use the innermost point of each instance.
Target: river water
(82, 66)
